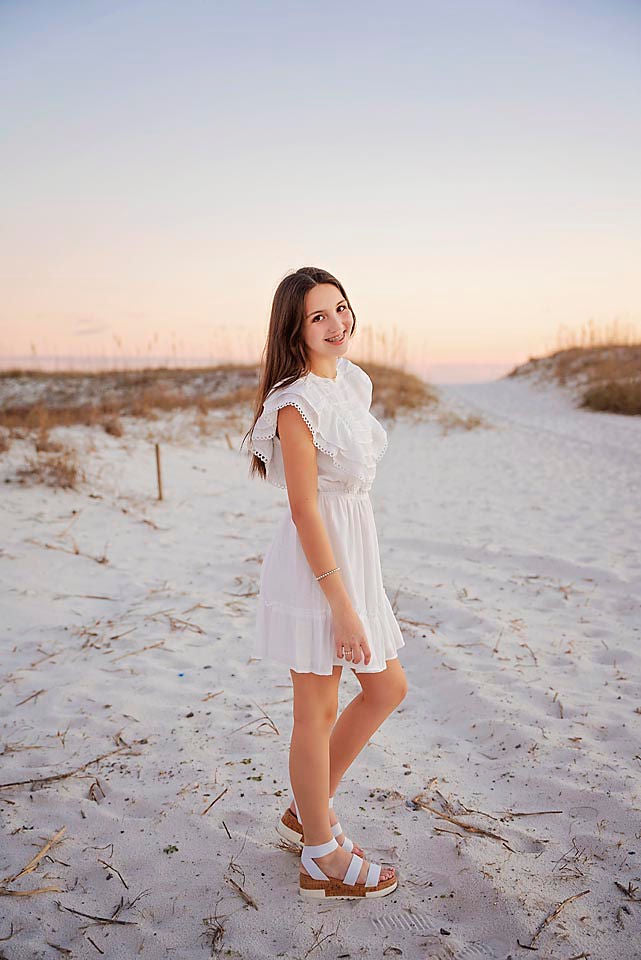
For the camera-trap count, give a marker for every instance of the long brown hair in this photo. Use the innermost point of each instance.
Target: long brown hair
(284, 356)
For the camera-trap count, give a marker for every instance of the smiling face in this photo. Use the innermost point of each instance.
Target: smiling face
(327, 314)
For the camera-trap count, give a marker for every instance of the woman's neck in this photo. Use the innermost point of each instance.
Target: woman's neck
(327, 367)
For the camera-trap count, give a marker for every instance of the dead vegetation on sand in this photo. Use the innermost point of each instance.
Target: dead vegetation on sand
(32, 404)
(32, 400)
(606, 378)
(398, 392)
(55, 468)
(36, 402)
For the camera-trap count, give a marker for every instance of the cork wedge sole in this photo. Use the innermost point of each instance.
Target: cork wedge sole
(316, 885)
(310, 889)
(290, 829)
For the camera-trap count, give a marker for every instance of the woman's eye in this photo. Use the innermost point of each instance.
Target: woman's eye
(319, 316)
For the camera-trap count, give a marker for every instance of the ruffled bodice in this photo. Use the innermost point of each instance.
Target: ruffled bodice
(349, 439)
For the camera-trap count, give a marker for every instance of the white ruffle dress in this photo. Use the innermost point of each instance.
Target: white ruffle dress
(294, 624)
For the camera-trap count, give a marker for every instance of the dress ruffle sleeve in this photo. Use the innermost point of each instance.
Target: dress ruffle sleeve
(340, 423)
(362, 384)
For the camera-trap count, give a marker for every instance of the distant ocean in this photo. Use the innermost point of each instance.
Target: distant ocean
(435, 373)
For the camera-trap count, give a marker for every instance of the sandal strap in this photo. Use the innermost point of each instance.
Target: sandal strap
(353, 870)
(373, 875)
(348, 844)
(316, 850)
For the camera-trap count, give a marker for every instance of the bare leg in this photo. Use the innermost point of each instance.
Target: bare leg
(380, 694)
(315, 707)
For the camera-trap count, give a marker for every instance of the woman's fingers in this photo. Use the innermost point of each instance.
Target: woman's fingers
(352, 650)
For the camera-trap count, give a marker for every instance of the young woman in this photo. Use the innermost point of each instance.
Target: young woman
(322, 604)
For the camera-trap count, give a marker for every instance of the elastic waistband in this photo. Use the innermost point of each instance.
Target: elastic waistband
(350, 494)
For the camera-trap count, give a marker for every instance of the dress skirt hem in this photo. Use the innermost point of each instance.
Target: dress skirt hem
(303, 640)
(337, 663)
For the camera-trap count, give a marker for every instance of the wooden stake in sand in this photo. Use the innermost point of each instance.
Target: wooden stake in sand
(158, 471)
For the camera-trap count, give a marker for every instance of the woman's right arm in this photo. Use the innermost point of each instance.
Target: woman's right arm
(301, 477)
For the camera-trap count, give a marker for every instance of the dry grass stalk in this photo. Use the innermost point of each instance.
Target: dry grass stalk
(318, 940)
(46, 656)
(18, 748)
(33, 863)
(77, 553)
(132, 653)
(207, 808)
(175, 623)
(98, 919)
(28, 893)
(590, 334)
(470, 828)
(550, 917)
(534, 813)
(30, 697)
(215, 930)
(248, 900)
(93, 791)
(39, 781)
(629, 891)
(110, 866)
(63, 950)
(267, 722)
(60, 469)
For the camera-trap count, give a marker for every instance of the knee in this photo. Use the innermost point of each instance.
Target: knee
(319, 716)
(388, 696)
(400, 688)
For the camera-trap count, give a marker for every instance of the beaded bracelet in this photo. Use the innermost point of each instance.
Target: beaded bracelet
(328, 573)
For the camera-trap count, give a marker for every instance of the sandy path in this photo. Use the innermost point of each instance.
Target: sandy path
(511, 556)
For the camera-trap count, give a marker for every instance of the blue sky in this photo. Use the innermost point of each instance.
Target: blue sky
(470, 171)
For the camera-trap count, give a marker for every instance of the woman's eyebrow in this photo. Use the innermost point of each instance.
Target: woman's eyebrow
(315, 312)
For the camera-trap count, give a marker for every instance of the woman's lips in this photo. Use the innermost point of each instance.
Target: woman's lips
(337, 343)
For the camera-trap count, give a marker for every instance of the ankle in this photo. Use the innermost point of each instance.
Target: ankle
(315, 840)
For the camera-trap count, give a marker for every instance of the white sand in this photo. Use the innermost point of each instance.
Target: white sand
(511, 555)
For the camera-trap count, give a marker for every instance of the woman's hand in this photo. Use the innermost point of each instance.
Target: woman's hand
(349, 636)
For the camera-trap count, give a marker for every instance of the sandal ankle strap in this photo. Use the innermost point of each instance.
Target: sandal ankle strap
(320, 849)
(316, 850)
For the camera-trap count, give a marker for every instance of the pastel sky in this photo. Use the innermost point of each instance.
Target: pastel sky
(469, 170)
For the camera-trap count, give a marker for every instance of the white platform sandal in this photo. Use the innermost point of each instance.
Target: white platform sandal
(318, 886)
(290, 827)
